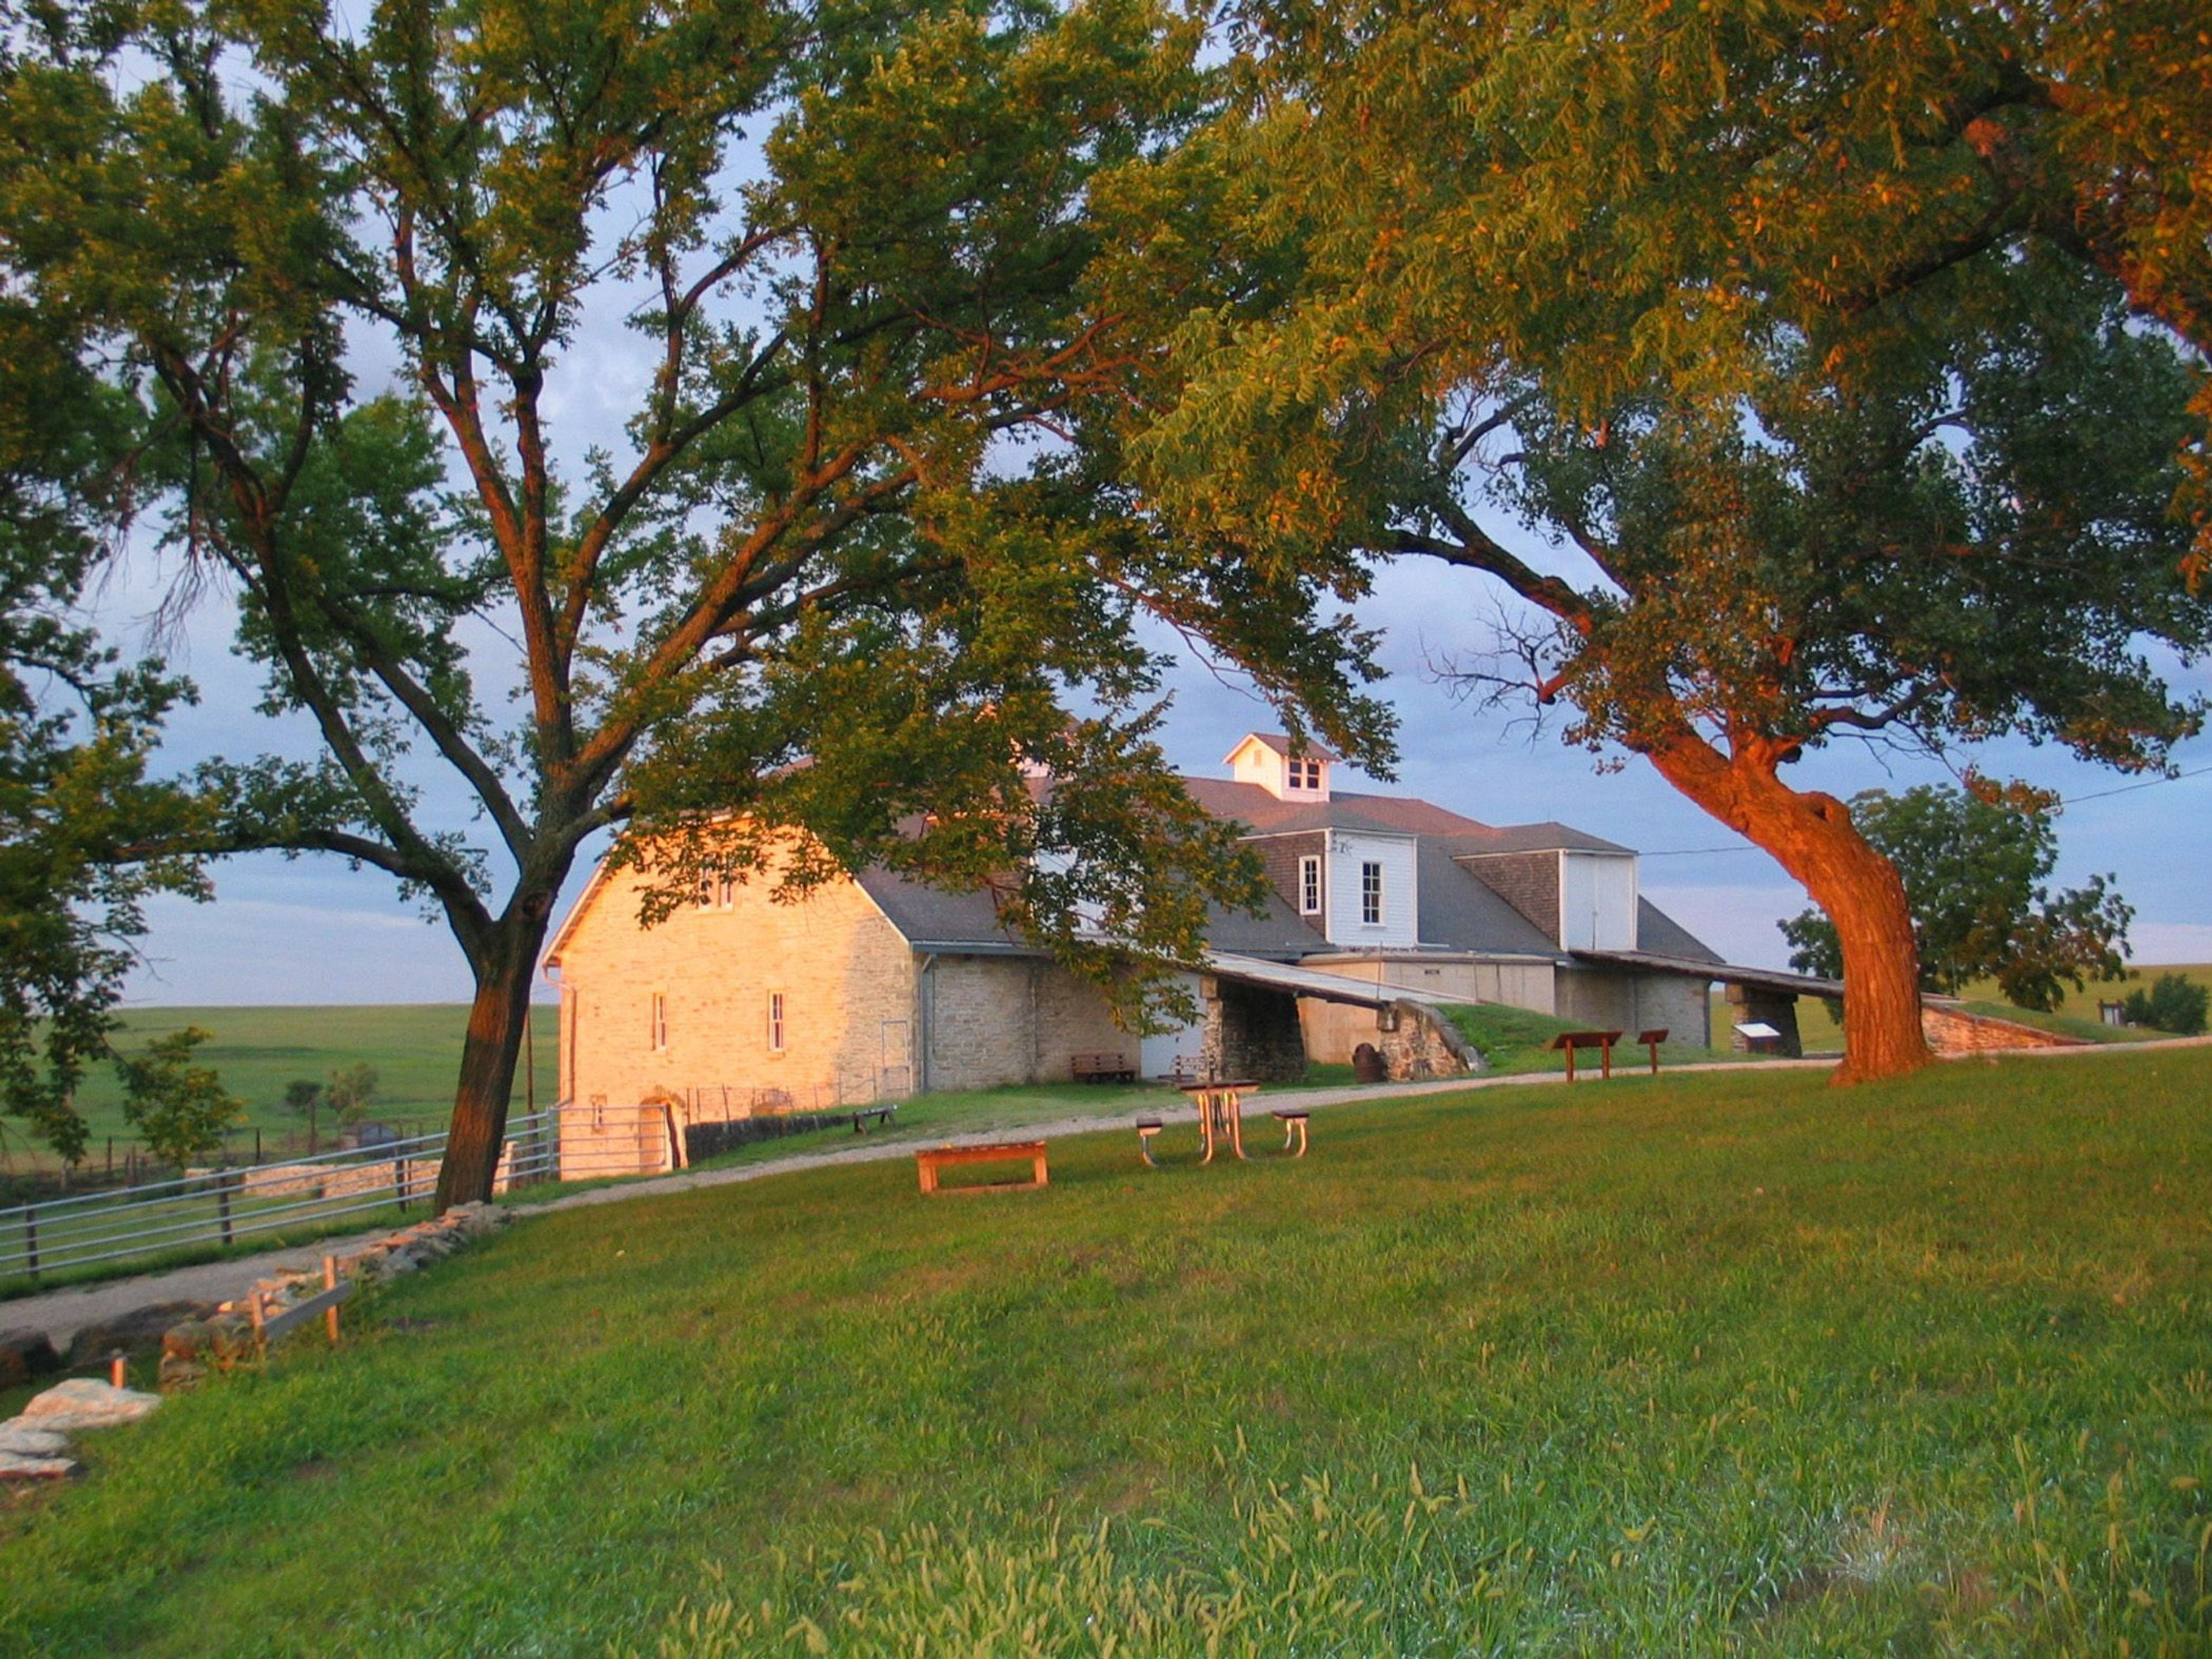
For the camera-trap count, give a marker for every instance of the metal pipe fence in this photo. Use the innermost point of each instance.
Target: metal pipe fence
(221, 1206)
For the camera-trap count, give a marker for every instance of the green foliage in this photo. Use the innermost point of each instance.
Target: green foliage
(2173, 1003)
(85, 836)
(1722, 1364)
(179, 1105)
(350, 1089)
(302, 1096)
(1721, 345)
(844, 534)
(1973, 863)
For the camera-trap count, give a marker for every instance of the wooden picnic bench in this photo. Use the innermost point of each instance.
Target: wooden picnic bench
(931, 1159)
(880, 1115)
(1103, 1068)
(1651, 1040)
(1569, 1042)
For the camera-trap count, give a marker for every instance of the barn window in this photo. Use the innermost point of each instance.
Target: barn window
(728, 891)
(775, 1022)
(1370, 894)
(1309, 887)
(1305, 774)
(659, 1021)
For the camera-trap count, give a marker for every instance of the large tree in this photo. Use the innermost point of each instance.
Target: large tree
(85, 834)
(1824, 424)
(1974, 862)
(837, 574)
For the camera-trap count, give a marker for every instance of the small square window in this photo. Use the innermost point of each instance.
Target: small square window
(1305, 774)
(775, 1022)
(1370, 894)
(1309, 886)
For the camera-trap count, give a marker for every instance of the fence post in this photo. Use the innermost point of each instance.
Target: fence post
(223, 1205)
(31, 1237)
(399, 1179)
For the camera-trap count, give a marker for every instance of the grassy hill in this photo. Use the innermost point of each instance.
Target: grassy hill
(2076, 1013)
(415, 1049)
(1733, 1363)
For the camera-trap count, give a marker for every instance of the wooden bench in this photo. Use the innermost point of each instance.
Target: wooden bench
(1293, 1120)
(1103, 1068)
(1146, 1128)
(931, 1159)
(881, 1115)
(1568, 1042)
(269, 1326)
(1651, 1040)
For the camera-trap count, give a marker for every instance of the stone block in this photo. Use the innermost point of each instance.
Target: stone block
(84, 1403)
(178, 1374)
(12, 1467)
(21, 1439)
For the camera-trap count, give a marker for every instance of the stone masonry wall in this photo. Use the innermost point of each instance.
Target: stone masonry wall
(1631, 1002)
(1251, 1032)
(846, 973)
(1954, 1031)
(1417, 1046)
(999, 1020)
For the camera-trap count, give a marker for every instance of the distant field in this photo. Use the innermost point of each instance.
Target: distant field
(415, 1049)
(2077, 1013)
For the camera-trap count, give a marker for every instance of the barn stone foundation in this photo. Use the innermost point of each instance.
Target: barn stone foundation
(1251, 1032)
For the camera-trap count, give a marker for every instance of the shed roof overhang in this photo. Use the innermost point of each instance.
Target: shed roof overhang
(1728, 973)
(1307, 982)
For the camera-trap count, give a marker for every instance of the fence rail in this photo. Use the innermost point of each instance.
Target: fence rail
(221, 1206)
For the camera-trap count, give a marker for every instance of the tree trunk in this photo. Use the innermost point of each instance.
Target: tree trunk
(497, 1020)
(1812, 837)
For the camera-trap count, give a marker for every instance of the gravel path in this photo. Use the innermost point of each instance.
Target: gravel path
(61, 1313)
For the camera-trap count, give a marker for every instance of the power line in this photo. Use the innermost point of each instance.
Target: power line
(2070, 800)
(2128, 788)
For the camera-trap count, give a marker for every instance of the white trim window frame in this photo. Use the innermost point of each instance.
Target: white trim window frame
(1309, 886)
(1371, 893)
(775, 1022)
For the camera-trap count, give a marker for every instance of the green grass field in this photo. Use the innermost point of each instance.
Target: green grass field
(415, 1049)
(1733, 1363)
(2076, 1015)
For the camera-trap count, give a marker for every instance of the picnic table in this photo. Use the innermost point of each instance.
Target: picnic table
(1220, 1113)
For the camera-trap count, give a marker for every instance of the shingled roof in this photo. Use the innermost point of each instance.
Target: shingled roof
(932, 919)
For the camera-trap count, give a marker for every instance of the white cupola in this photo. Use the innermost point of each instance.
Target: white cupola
(1287, 773)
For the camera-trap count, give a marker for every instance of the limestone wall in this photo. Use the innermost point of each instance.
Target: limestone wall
(1251, 1032)
(1613, 1000)
(845, 974)
(998, 1020)
(1955, 1032)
